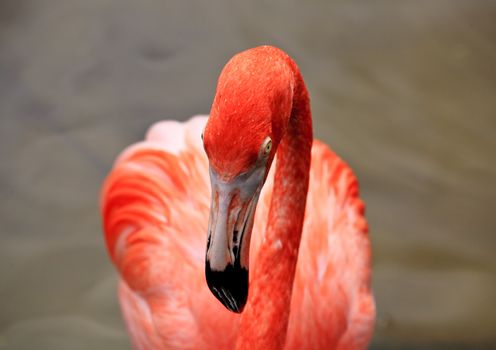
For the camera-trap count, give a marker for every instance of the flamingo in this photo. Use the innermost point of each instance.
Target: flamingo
(183, 247)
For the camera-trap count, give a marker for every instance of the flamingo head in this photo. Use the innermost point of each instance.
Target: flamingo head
(249, 115)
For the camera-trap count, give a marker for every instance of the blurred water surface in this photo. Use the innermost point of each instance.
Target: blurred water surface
(404, 91)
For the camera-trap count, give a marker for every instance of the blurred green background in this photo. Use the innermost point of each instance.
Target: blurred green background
(405, 91)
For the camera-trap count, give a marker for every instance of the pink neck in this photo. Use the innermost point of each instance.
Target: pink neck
(264, 321)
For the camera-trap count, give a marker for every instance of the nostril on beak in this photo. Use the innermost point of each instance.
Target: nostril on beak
(208, 240)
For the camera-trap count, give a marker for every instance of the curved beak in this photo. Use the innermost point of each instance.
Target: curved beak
(229, 232)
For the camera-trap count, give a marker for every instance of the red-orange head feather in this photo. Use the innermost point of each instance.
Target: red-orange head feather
(252, 102)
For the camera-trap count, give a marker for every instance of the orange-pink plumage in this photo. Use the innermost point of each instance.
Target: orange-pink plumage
(308, 293)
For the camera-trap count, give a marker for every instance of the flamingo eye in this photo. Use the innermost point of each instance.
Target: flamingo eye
(267, 146)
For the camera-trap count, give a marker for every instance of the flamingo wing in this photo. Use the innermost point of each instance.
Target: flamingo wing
(332, 306)
(155, 205)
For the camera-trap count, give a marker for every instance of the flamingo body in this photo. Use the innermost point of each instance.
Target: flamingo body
(155, 205)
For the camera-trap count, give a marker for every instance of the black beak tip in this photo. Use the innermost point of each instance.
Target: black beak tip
(229, 286)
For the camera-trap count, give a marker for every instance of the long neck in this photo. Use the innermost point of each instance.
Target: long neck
(264, 321)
